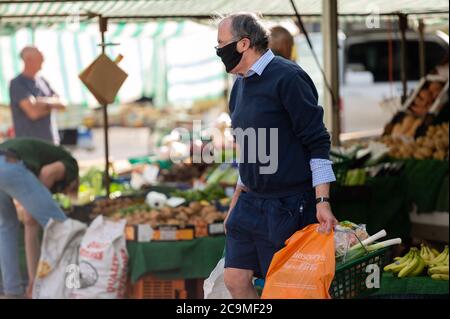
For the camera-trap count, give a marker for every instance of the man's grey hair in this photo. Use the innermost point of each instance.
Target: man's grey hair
(249, 25)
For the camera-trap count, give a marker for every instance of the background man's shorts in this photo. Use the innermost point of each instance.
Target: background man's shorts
(258, 227)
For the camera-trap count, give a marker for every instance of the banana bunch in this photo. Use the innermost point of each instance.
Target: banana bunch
(438, 266)
(427, 253)
(410, 265)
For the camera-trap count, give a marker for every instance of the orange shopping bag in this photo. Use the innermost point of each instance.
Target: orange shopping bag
(304, 269)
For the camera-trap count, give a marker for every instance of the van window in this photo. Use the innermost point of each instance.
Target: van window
(374, 56)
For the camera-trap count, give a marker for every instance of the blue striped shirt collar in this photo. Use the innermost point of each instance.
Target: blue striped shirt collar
(260, 64)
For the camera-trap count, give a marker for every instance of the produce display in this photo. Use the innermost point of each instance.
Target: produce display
(437, 263)
(91, 187)
(434, 145)
(426, 97)
(63, 200)
(407, 126)
(197, 214)
(182, 173)
(416, 261)
(352, 241)
(225, 173)
(107, 206)
(209, 193)
(355, 177)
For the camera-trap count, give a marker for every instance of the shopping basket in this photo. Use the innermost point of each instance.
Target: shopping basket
(350, 277)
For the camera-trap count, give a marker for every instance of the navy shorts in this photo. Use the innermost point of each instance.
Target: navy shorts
(258, 227)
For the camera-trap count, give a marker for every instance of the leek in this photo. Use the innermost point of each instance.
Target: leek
(360, 251)
(369, 240)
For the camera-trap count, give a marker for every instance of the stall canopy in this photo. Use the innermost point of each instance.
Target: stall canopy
(124, 9)
(153, 59)
(80, 44)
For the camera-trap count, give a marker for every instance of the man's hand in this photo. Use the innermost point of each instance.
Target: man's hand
(325, 217)
(53, 102)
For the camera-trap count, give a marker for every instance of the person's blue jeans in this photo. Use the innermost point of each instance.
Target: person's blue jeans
(17, 182)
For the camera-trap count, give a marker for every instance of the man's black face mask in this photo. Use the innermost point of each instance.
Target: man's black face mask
(229, 55)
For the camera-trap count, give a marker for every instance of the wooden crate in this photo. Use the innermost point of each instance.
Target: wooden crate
(150, 287)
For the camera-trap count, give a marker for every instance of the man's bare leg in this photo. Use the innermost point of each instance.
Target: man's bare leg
(239, 283)
(32, 249)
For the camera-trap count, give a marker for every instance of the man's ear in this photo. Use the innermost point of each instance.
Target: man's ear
(243, 45)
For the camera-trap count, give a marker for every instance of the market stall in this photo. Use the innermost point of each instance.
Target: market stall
(174, 213)
(402, 172)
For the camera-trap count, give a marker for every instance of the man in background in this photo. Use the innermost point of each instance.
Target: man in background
(30, 171)
(281, 42)
(33, 100)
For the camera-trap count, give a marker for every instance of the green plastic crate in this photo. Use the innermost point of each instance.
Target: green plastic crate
(163, 164)
(350, 277)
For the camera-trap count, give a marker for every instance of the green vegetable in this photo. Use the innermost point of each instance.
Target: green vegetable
(359, 251)
(210, 193)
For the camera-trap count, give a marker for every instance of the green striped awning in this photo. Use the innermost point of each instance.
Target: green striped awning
(204, 8)
(158, 56)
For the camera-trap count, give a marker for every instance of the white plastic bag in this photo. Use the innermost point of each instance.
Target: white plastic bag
(214, 286)
(59, 251)
(103, 260)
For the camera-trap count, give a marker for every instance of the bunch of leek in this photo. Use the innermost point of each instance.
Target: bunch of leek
(368, 245)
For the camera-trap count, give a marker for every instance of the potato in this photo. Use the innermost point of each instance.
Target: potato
(426, 95)
(154, 214)
(190, 211)
(419, 102)
(427, 152)
(182, 216)
(166, 212)
(407, 122)
(195, 206)
(208, 209)
(439, 144)
(418, 155)
(434, 89)
(397, 129)
(173, 222)
(439, 155)
(429, 143)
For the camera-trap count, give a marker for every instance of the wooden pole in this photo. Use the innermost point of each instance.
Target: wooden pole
(103, 23)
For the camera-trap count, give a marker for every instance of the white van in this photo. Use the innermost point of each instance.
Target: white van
(364, 76)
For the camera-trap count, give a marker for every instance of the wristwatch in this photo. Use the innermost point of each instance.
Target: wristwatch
(322, 200)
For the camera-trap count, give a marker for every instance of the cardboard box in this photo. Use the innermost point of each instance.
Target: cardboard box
(103, 78)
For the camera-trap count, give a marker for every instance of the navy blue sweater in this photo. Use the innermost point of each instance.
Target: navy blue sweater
(282, 97)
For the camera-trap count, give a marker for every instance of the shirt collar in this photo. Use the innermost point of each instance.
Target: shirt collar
(260, 64)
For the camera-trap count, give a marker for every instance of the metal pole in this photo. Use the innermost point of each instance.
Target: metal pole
(422, 48)
(403, 25)
(103, 23)
(331, 66)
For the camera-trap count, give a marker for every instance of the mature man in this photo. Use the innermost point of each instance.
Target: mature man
(271, 94)
(33, 100)
(281, 42)
(30, 169)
